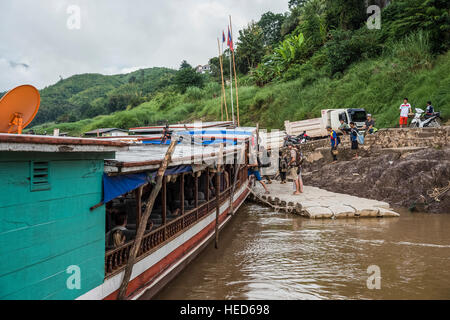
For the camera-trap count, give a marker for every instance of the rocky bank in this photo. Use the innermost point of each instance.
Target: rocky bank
(400, 178)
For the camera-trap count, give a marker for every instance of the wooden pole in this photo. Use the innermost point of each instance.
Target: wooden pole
(231, 89)
(257, 137)
(235, 78)
(196, 194)
(223, 81)
(217, 206)
(235, 180)
(141, 230)
(218, 173)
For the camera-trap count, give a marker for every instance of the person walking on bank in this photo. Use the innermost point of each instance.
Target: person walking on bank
(253, 170)
(283, 165)
(354, 139)
(295, 169)
(335, 141)
(405, 110)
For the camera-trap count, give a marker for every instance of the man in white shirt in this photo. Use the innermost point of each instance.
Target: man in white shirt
(405, 110)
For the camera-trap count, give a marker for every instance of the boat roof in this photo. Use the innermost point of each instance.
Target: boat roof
(144, 157)
(182, 127)
(34, 143)
(104, 130)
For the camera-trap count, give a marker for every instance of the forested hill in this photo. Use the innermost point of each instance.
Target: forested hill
(89, 95)
(318, 55)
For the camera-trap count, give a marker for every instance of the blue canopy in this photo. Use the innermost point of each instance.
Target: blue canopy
(116, 186)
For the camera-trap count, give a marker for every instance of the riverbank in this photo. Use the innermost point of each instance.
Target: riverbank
(403, 179)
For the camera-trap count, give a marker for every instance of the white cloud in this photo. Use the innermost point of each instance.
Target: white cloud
(115, 35)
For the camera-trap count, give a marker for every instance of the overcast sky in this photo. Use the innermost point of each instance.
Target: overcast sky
(115, 36)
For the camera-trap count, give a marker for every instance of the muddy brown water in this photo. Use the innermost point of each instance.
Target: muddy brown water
(268, 255)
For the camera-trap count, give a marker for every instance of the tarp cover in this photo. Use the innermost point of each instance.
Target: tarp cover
(114, 187)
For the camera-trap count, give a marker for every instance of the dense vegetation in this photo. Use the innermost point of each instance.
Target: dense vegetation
(318, 55)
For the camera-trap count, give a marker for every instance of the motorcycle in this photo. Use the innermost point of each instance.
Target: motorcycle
(420, 121)
(301, 139)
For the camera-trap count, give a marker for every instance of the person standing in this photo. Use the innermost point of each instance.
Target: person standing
(354, 139)
(295, 171)
(253, 170)
(405, 110)
(334, 143)
(283, 165)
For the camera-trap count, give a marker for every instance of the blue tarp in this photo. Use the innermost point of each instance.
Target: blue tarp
(114, 187)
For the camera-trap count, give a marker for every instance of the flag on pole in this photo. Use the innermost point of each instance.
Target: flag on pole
(223, 37)
(230, 40)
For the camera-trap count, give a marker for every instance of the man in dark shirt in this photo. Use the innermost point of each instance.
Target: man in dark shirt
(370, 124)
(354, 138)
(430, 110)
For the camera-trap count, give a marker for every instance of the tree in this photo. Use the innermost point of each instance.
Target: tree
(215, 67)
(187, 77)
(250, 46)
(403, 17)
(270, 24)
(313, 27)
(345, 14)
(185, 65)
(297, 3)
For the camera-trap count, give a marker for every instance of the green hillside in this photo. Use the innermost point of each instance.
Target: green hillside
(89, 95)
(319, 55)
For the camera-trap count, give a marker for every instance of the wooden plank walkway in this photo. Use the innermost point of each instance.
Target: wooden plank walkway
(316, 203)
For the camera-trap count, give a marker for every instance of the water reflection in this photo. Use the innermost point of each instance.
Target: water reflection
(269, 255)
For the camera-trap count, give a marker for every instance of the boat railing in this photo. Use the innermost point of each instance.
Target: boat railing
(116, 260)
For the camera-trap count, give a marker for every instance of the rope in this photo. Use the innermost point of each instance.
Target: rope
(437, 193)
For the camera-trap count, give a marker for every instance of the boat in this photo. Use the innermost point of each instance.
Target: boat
(60, 196)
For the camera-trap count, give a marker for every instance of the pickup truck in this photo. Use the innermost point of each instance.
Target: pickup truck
(317, 128)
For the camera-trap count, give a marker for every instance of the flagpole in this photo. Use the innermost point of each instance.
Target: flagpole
(235, 77)
(224, 97)
(223, 79)
(231, 88)
(221, 93)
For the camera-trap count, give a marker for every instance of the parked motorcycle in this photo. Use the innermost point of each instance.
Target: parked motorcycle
(300, 139)
(431, 121)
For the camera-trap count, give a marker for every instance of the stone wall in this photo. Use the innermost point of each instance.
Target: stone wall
(402, 138)
(318, 153)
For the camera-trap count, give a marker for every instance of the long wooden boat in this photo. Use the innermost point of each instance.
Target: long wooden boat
(58, 195)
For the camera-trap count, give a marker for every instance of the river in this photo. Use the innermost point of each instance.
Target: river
(268, 255)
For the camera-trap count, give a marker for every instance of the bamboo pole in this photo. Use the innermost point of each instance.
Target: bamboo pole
(231, 89)
(218, 173)
(235, 77)
(142, 226)
(224, 97)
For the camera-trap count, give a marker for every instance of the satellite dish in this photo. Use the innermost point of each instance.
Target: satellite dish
(18, 108)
